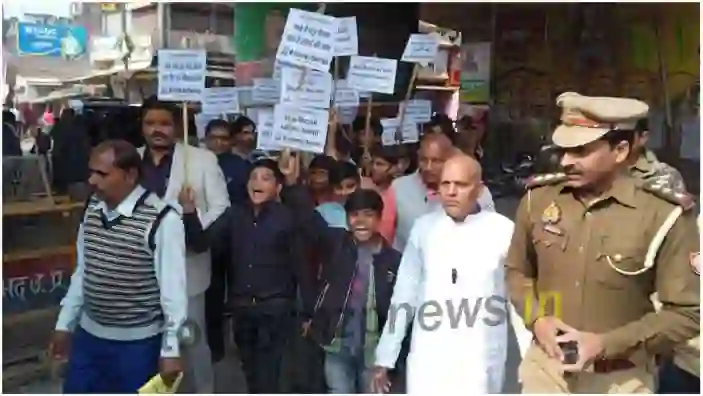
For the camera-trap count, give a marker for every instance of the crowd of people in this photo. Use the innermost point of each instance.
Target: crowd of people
(175, 238)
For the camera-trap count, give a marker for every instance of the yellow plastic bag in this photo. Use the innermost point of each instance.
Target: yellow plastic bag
(156, 385)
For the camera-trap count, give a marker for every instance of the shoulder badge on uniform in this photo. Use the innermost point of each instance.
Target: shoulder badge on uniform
(696, 263)
(552, 214)
(546, 179)
(660, 190)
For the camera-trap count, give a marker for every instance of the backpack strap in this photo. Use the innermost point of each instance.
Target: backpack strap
(156, 224)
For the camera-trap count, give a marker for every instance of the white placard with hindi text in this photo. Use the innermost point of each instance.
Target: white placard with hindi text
(418, 111)
(266, 91)
(347, 39)
(301, 129)
(278, 67)
(410, 133)
(220, 100)
(181, 75)
(421, 48)
(265, 138)
(372, 74)
(344, 95)
(308, 40)
(309, 88)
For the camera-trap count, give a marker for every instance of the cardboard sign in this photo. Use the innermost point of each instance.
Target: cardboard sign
(308, 40)
(418, 111)
(345, 96)
(421, 48)
(410, 133)
(347, 115)
(372, 74)
(265, 137)
(315, 90)
(301, 129)
(266, 91)
(181, 75)
(220, 100)
(347, 40)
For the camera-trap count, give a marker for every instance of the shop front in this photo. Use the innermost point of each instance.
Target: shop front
(516, 58)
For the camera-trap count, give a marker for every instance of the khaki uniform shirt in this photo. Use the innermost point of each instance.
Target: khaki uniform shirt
(564, 249)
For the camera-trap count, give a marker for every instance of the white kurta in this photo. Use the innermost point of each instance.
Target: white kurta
(445, 356)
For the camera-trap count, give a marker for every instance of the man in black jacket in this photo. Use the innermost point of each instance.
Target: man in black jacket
(264, 247)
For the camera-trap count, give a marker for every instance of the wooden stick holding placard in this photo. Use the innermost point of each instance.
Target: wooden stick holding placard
(185, 143)
(404, 104)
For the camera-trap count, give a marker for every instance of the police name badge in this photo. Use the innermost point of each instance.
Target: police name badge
(696, 263)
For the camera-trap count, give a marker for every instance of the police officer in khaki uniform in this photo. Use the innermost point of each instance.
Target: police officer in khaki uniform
(590, 246)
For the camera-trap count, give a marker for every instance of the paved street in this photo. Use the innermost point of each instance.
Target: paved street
(230, 379)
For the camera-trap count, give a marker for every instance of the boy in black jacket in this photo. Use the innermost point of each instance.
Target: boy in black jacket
(263, 244)
(355, 289)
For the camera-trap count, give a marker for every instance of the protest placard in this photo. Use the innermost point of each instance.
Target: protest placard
(278, 67)
(245, 97)
(220, 100)
(266, 91)
(181, 75)
(308, 40)
(301, 129)
(421, 48)
(347, 39)
(418, 111)
(265, 139)
(372, 74)
(344, 95)
(409, 133)
(311, 89)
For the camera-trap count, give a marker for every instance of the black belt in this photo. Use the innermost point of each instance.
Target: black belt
(250, 301)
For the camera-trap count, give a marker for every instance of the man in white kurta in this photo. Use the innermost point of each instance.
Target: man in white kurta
(454, 256)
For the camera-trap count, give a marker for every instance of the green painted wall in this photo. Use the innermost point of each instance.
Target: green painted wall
(249, 21)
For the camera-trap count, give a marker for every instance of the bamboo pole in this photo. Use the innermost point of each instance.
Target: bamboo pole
(411, 85)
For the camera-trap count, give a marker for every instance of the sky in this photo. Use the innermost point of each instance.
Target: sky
(16, 8)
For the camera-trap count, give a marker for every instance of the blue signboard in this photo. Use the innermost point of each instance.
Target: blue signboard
(64, 41)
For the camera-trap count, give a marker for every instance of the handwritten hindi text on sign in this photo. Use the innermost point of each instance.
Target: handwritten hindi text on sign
(372, 74)
(418, 111)
(220, 100)
(421, 48)
(347, 39)
(181, 75)
(315, 90)
(409, 132)
(301, 129)
(308, 40)
(345, 96)
(266, 139)
(267, 91)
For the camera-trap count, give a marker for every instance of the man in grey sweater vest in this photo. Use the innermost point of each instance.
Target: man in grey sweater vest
(127, 301)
